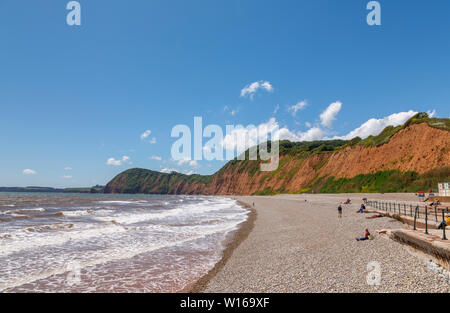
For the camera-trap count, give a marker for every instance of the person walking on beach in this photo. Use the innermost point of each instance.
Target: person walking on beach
(340, 211)
(366, 236)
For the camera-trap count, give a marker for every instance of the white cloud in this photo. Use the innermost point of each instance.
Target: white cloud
(112, 161)
(297, 107)
(168, 170)
(182, 161)
(194, 163)
(153, 140)
(68, 168)
(155, 157)
(191, 163)
(252, 88)
(29, 172)
(375, 126)
(67, 176)
(308, 124)
(233, 112)
(243, 138)
(126, 159)
(329, 115)
(145, 134)
(277, 107)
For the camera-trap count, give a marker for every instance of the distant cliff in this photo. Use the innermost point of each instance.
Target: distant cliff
(409, 157)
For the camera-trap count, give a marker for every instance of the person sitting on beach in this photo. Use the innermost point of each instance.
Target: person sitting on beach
(444, 223)
(340, 211)
(435, 203)
(361, 209)
(366, 236)
(348, 201)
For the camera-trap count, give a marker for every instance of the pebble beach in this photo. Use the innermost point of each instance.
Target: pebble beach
(297, 243)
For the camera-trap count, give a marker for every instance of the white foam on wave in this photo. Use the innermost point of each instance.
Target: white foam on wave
(41, 255)
(95, 257)
(84, 212)
(22, 211)
(123, 202)
(21, 240)
(131, 218)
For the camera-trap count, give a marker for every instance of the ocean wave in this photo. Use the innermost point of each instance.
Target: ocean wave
(128, 219)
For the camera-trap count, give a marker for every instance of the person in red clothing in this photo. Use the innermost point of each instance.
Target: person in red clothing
(366, 236)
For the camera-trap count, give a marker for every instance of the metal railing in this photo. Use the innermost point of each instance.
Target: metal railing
(407, 210)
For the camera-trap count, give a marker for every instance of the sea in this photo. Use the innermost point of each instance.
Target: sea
(56, 242)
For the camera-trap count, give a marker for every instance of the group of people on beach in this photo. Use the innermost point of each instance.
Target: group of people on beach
(361, 210)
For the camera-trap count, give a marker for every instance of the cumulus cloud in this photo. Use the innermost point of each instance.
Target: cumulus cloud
(241, 138)
(29, 172)
(113, 161)
(277, 107)
(194, 163)
(145, 134)
(233, 112)
(168, 170)
(297, 107)
(252, 88)
(191, 163)
(329, 115)
(375, 126)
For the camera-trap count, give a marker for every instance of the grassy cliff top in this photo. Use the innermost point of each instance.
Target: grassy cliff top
(388, 132)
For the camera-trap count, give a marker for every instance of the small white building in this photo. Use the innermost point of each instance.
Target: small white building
(444, 189)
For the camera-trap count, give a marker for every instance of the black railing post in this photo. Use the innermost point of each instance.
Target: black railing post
(415, 217)
(426, 220)
(435, 212)
(443, 225)
(410, 210)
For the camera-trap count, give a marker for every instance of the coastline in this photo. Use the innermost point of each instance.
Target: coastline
(234, 239)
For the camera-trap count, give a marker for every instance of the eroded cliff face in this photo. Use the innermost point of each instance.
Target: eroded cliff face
(418, 148)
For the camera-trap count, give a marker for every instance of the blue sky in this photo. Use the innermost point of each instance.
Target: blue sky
(75, 97)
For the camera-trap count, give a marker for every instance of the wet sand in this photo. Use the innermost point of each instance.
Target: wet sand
(302, 246)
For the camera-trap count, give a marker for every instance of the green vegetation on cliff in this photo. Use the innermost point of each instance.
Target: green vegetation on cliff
(137, 180)
(384, 181)
(388, 132)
